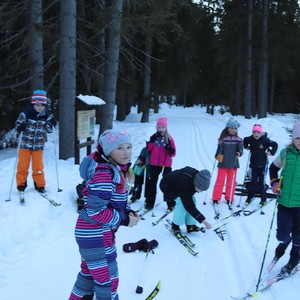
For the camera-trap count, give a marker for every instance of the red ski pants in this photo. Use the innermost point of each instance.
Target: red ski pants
(230, 176)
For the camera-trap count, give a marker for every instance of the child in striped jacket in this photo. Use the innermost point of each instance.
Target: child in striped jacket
(105, 209)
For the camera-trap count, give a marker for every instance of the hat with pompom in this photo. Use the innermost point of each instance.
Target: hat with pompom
(39, 97)
(112, 139)
(232, 123)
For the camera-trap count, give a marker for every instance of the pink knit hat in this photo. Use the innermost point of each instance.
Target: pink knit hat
(162, 122)
(257, 128)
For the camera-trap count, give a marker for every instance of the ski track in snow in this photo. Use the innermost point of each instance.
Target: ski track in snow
(39, 256)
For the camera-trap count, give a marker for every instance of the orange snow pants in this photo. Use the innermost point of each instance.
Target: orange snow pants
(37, 167)
(230, 176)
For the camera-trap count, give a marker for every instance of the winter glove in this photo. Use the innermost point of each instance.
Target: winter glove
(150, 245)
(220, 157)
(48, 127)
(153, 138)
(20, 127)
(275, 185)
(132, 247)
(51, 120)
(169, 149)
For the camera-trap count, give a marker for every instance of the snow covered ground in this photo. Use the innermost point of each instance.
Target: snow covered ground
(39, 258)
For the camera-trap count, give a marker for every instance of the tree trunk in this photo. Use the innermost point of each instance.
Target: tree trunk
(67, 92)
(238, 96)
(36, 61)
(263, 71)
(111, 68)
(101, 66)
(272, 90)
(249, 75)
(147, 80)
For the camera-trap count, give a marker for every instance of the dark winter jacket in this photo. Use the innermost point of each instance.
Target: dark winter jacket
(180, 183)
(229, 146)
(259, 148)
(35, 126)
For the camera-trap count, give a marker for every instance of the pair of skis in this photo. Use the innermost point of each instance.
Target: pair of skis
(267, 283)
(182, 238)
(260, 207)
(154, 292)
(44, 195)
(146, 211)
(162, 217)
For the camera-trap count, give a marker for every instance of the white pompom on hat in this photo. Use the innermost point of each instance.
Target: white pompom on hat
(112, 139)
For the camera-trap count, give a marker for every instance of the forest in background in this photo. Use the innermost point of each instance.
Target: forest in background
(241, 54)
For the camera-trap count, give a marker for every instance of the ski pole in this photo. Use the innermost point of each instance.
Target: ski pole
(247, 165)
(56, 167)
(232, 189)
(14, 170)
(267, 244)
(233, 183)
(212, 171)
(264, 186)
(139, 289)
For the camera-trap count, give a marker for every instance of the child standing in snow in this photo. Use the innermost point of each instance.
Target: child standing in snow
(35, 122)
(161, 149)
(105, 209)
(288, 210)
(139, 169)
(230, 148)
(260, 147)
(181, 185)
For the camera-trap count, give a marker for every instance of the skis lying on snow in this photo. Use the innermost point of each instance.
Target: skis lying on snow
(267, 282)
(54, 203)
(154, 292)
(182, 238)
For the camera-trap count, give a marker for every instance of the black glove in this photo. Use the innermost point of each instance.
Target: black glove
(169, 149)
(152, 138)
(48, 127)
(51, 120)
(20, 127)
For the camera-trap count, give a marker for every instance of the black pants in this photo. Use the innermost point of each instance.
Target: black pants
(258, 183)
(288, 229)
(151, 183)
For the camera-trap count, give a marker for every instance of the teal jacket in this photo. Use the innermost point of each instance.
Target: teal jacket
(290, 191)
